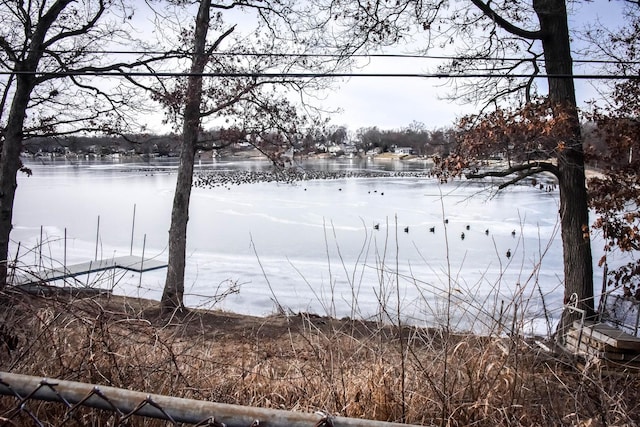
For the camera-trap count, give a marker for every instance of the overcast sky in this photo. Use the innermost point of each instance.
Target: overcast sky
(394, 103)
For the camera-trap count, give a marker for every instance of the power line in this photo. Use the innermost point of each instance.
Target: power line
(336, 55)
(292, 75)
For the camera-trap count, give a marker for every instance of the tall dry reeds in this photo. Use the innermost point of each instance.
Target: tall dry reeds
(381, 368)
(309, 363)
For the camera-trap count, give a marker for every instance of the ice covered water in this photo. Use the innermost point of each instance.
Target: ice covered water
(341, 247)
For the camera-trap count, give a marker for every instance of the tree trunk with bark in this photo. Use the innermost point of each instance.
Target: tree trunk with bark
(13, 135)
(574, 211)
(173, 294)
(9, 165)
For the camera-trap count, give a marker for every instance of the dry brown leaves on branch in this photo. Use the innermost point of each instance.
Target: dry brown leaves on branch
(615, 194)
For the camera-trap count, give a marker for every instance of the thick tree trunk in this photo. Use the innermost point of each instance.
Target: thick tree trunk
(13, 135)
(9, 165)
(173, 294)
(574, 211)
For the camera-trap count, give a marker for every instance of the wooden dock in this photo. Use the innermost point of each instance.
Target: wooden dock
(606, 345)
(128, 262)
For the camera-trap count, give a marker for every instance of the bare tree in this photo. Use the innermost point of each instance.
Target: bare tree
(507, 42)
(244, 80)
(552, 34)
(614, 193)
(52, 54)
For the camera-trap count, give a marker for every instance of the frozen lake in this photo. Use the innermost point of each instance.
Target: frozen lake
(310, 246)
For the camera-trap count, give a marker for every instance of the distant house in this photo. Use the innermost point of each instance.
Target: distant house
(336, 149)
(374, 151)
(350, 149)
(403, 150)
(321, 147)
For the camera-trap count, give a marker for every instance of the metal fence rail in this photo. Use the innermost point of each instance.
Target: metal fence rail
(126, 404)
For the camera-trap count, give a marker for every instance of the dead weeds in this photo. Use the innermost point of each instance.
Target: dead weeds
(303, 362)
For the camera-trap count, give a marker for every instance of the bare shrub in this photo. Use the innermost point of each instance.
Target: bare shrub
(307, 363)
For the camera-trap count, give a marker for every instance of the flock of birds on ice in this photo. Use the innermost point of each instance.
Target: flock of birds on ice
(432, 229)
(218, 179)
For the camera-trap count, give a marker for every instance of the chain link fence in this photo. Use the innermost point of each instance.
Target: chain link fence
(24, 397)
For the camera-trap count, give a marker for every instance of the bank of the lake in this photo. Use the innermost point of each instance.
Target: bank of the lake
(378, 239)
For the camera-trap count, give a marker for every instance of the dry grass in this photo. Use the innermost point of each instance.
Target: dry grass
(307, 363)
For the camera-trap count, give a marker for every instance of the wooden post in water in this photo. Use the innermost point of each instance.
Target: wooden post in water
(144, 243)
(133, 226)
(97, 237)
(64, 257)
(40, 250)
(113, 272)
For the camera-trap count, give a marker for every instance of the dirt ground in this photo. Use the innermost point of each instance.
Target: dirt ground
(222, 324)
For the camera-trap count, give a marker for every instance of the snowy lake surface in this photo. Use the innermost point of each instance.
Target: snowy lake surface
(310, 246)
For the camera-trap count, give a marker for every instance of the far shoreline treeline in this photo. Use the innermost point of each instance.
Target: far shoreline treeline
(333, 141)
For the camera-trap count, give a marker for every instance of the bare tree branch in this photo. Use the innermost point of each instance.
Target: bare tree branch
(505, 24)
(522, 171)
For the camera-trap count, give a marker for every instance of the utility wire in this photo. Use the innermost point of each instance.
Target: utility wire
(335, 55)
(294, 75)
